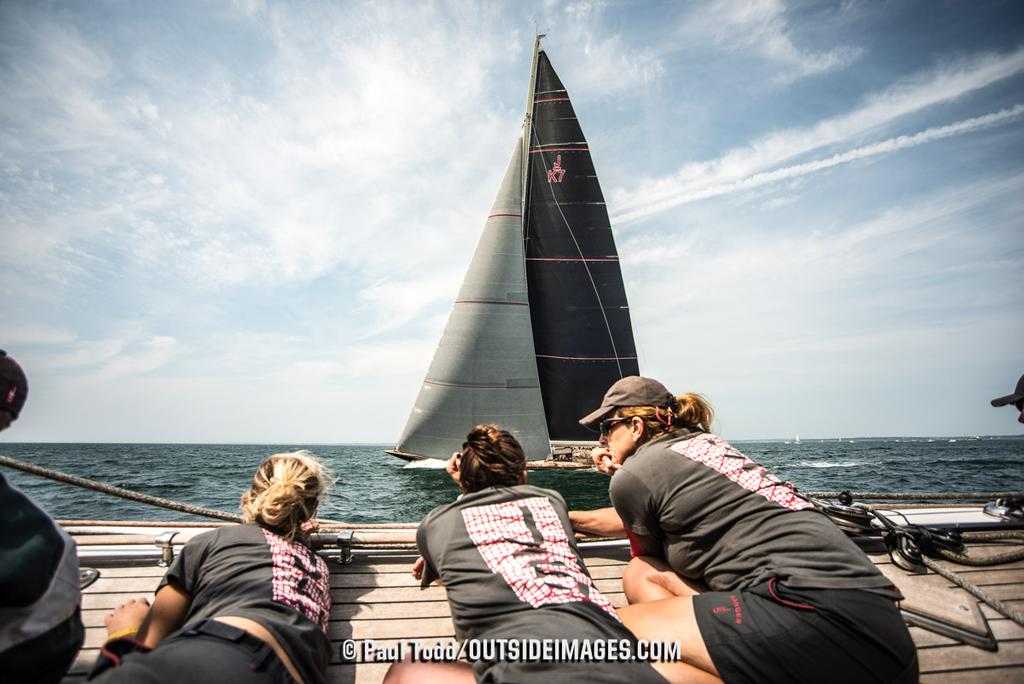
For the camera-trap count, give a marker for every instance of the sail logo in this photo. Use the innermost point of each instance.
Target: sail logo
(556, 173)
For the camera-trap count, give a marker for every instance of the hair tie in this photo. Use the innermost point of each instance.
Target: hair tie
(657, 414)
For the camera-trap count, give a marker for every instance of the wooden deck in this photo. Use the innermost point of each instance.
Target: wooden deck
(375, 598)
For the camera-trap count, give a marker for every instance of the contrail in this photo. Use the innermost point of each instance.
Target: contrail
(756, 180)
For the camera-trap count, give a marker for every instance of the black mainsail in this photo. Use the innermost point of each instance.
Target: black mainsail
(541, 326)
(581, 324)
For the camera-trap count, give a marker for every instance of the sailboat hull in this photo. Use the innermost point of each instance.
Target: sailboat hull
(405, 455)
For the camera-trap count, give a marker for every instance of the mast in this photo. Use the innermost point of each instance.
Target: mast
(528, 124)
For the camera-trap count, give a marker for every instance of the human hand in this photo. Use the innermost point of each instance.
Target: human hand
(604, 461)
(417, 568)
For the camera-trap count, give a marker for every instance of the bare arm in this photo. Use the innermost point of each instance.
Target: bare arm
(167, 614)
(603, 522)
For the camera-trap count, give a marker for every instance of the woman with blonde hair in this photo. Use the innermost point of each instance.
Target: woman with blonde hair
(731, 562)
(242, 603)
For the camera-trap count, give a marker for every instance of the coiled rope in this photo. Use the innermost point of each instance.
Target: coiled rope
(995, 559)
(911, 546)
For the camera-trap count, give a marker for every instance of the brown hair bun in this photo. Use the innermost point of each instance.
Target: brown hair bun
(491, 457)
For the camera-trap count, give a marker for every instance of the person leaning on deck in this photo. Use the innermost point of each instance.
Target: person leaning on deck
(40, 620)
(242, 603)
(747, 575)
(507, 556)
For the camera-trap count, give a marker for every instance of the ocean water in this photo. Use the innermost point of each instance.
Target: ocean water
(374, 487)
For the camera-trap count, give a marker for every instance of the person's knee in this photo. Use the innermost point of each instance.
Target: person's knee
(638, 577)
(401, 672)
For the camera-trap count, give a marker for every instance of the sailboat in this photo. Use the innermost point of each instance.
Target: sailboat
(541, 327)
(529, 346)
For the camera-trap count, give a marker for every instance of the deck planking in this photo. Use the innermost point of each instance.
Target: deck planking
(376, 598)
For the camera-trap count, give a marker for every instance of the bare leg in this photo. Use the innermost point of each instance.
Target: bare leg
(408, 672)
(127, 616)
(648, 578)
(673, 619)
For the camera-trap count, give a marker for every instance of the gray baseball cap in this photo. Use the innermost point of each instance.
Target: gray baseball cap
(1017, 395)
(630, 391)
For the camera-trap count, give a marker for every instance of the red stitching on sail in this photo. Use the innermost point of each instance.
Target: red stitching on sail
(489, 301)
(559, 149)
(568, 259)
(466, 385)
(585, 358)
(552, 99)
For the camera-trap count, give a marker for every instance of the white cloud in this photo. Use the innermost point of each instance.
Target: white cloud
(796, 170)
(87, 353)
(391, 304)
(607, 64)
(33, 334)
(743, 167)
(336, 157)
(760, 26)
(155, 353)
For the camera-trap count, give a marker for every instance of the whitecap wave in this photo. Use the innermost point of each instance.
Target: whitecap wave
(828, 464)
(426, 463)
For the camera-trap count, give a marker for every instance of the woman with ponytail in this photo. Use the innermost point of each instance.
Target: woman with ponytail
(242, 603)
(753, 582)
(506, 554)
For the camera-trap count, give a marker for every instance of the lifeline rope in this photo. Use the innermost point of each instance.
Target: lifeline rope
(160, 502)
(117, 491)
(232, 517)
(915, 496)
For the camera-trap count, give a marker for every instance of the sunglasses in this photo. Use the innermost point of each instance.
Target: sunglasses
(607, 424)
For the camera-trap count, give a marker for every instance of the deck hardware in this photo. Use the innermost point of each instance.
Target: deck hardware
(344, 542)
(163, 542)
(86, 576)
(1009, 508)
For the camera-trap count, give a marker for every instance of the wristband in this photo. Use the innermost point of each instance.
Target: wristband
(121, 633)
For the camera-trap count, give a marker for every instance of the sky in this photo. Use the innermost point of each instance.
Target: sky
(248, 221)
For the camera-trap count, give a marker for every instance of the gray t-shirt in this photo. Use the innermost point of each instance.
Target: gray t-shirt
(717, 516)
(508, 559)
(250, 572)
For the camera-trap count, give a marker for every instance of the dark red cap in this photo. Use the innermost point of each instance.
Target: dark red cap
(13, 385)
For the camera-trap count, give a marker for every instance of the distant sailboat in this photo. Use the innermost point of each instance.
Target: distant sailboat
(796, 440)
(541, 326)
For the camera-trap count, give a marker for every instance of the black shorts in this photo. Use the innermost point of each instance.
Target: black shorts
(208, 652)
(772, 633)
